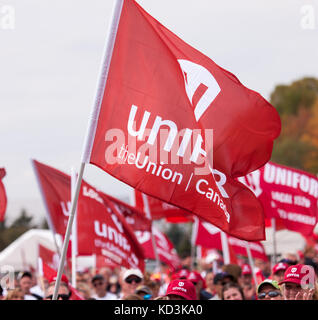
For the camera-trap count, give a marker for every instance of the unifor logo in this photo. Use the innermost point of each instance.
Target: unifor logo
(199, 80)
(293, 270)
(181, 284)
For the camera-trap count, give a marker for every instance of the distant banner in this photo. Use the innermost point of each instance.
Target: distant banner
(287, 194)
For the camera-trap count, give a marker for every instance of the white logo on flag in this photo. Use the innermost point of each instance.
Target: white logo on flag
(194, 76)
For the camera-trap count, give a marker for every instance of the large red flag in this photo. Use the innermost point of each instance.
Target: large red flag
(3, 195)
(287, 194)
(152, 125)
(51, 258)
(165, 249)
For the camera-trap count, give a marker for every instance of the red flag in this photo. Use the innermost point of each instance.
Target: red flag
(134, 217)
(102, 230)
(162, 97)
(209, 236)
(55, 188)
(165, 249)
(289, 195)
(51, 258)
(3, 195)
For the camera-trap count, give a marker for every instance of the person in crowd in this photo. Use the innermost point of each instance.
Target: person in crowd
(100, 287)
(113, 285)
(234, 270)
(154, 286)
(181, 274)
(14, 294)
(220, 279)
(26, 283)
(129, 280)
(246, 283)
(181, 289)
(298, 283)
(209, 283)
(144, 292)
(310, 257)
(278, 271)
(64, 292)
(262, 269)
(269, 290)
(232, 291)
(199, 283)
(84, 289)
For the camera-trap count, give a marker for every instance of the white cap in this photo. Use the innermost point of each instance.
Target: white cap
(132, 272)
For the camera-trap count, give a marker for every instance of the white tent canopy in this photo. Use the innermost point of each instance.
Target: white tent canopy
(23, 252)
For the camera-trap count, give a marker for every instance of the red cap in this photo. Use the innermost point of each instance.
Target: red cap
(184, 288)
(181, 274)
(279, 266)
(195, 277)
(299, 274)
(246, 269)
(63, 279)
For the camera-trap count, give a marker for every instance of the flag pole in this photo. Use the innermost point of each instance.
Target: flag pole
(74, 230)
(153, 240)
(193, 238)
(273, 220)
(91, 129)
(68, 231)
(225, 248)
(251, 261)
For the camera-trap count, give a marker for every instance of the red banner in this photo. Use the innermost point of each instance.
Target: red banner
(209, 236)
(165, 249)
(103, 231)
(287, 194)
(3, 195)
(176, 126)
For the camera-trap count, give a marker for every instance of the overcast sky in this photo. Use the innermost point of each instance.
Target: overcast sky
(49, 66)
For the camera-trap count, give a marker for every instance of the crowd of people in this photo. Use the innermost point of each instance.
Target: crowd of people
(291, 278)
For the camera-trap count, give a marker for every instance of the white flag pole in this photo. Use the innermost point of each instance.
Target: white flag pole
(193, 238)
(225, 248)
(273, 221)
(74, 230)
(91, 129)
(251, 261)
(153, 240)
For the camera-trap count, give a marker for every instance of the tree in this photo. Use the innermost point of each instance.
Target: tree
(297, 105)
